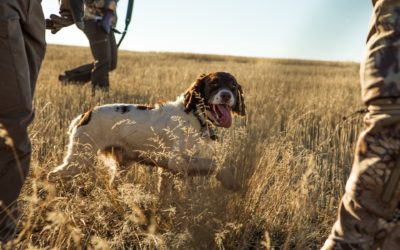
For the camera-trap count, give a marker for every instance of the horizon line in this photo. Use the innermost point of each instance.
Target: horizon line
(216, 54)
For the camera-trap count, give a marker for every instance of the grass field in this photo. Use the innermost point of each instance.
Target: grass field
(292, 155)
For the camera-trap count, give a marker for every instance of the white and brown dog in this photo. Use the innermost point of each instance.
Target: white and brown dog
(176, 135)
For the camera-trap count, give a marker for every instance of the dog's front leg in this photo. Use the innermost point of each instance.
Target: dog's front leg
(227, 179)
(198, 166)
(193, 166)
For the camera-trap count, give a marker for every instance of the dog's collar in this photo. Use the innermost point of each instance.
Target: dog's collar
(207, 128)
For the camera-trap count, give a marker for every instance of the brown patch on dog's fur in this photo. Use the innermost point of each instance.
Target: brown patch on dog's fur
(206, 85)
(122, 109)
(144, 107)
(85, 118)
(160, 103)
(239, 108)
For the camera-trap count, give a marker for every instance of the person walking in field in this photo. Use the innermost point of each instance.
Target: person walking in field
(22, 49)
(95, 18)
(369, 215)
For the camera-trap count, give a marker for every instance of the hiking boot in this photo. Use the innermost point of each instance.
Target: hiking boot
(63, 78)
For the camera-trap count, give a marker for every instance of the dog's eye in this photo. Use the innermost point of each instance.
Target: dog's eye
(214, 83)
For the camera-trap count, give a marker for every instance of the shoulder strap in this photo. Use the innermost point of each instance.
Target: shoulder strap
(127, 22)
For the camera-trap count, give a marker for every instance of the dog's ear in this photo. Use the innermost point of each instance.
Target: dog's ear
(194, 93)
(240, 108)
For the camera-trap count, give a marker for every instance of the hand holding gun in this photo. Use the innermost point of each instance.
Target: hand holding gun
(55, 23)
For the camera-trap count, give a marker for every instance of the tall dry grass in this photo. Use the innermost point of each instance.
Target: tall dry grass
(292, 159)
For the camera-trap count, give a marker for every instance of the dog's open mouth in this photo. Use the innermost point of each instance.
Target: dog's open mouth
(220, 114)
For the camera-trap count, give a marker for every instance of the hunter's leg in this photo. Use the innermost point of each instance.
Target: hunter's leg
(367, 214)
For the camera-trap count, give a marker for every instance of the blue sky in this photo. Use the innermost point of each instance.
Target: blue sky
(303, 29)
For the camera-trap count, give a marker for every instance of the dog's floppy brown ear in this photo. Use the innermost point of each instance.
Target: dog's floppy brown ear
(193, 94)
(240, 108)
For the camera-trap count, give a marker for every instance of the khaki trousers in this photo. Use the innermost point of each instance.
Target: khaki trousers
(22, 48)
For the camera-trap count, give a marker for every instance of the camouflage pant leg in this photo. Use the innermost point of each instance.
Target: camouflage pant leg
(365, 221)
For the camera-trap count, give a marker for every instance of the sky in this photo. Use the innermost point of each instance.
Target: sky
(333, 30)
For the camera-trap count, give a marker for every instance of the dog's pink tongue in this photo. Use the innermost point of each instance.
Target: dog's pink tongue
(225, 117)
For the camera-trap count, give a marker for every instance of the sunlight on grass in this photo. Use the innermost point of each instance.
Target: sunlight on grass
(292, 155)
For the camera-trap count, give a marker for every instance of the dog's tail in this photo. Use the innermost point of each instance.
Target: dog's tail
(65, 170)
(74, 124)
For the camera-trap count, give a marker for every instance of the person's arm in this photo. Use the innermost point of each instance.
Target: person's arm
(76, 10)
(110, 7)
(71, 11)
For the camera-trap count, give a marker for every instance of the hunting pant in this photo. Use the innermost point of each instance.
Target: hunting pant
(104, 51)
(369, 216)
(22, 48)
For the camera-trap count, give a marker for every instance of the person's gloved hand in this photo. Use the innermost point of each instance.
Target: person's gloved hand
(56, 23)
(106, 22)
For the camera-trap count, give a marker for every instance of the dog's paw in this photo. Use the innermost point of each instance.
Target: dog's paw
(225, 176)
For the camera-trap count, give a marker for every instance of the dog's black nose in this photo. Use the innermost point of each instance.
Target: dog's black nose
(226, 96)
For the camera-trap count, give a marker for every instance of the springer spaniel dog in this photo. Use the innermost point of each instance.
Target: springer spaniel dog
(177, 136)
